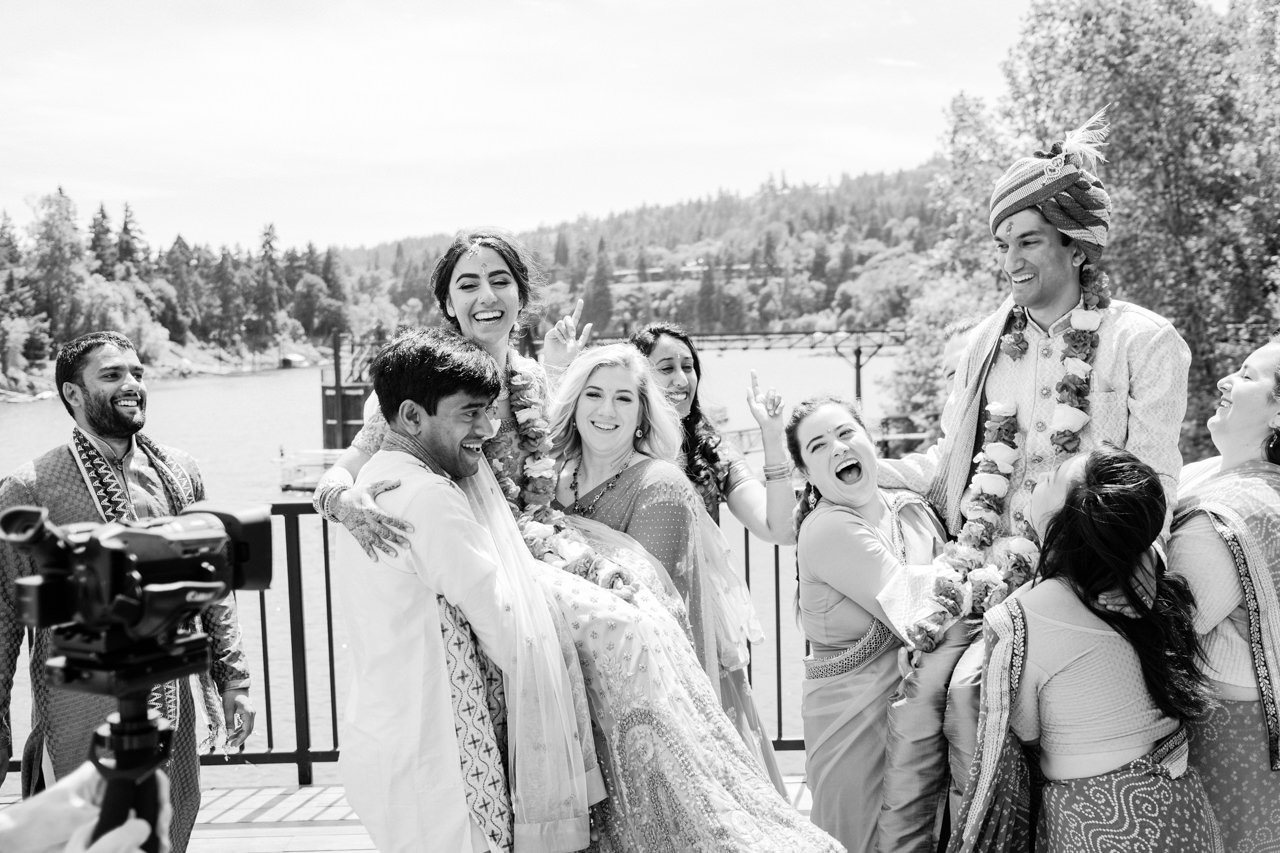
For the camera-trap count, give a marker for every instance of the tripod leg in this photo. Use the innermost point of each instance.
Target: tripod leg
(124, 796)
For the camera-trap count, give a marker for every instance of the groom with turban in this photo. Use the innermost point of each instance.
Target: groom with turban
(1069, 368)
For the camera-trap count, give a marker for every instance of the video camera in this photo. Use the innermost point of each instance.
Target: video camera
(121, 597)
(121, 600)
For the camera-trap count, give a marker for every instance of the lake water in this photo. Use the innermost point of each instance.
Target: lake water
(238, 426)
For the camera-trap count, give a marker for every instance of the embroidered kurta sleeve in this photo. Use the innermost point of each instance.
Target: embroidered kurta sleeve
(13, 565)
(454, 556)
(845, 554)
(221, 621)
(1158, 403)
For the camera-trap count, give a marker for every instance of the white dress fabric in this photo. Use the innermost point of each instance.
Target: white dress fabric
(400, 759)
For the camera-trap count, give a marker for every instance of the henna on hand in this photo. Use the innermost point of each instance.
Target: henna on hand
(373, 529)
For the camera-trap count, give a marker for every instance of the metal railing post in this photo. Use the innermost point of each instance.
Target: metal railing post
(298, 644)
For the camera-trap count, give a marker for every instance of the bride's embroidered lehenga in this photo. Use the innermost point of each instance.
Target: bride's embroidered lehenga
(678, 775)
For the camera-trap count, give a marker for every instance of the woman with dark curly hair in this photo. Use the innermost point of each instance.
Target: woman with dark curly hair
(1093, 668)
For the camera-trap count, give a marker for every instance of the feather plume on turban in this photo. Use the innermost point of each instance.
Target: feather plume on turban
(1061, 185)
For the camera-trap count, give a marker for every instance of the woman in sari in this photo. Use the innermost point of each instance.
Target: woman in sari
(853, 537)
(616, 434)
(1092, 666)
(1226, 544)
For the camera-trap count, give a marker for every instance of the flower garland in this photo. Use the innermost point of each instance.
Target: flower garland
(1080, 345)
(979, 570)
(968, 578)
(533, 436)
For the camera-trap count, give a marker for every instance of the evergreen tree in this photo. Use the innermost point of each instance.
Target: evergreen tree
(597, 302)
(642, 266)
(294, 267)
(312, 262)
(57, 269)
(131, 249)
(561, 255)
(708, 299)
(261, 323)
(818, 268)
(334, 277)
(102, 245)
(846, 263)
(10, 252)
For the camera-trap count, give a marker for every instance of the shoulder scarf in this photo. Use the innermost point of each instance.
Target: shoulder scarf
(112, 499)
(1244, 506)
(996, 813)
(947, 488)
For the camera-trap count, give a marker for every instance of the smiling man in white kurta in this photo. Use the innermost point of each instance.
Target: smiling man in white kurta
(424, 742)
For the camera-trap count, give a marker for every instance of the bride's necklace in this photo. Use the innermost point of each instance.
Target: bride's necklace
(577, 508)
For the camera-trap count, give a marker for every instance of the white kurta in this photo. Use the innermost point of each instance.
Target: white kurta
(400, 761)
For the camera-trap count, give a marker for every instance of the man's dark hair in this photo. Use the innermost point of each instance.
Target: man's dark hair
(427, 365)
(73, 355)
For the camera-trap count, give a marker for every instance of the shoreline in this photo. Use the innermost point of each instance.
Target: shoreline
(176, 362)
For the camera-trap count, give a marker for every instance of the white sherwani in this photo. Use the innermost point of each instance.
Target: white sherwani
(400, 761)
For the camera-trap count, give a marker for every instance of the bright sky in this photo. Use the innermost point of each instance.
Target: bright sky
(357, 122)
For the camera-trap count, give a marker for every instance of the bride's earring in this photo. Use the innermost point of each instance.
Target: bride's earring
(639, 433)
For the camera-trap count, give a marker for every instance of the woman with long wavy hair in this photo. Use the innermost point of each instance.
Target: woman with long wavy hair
(1093, 670)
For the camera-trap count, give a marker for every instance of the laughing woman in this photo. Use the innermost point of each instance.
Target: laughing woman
(853, 538)
(1102, 694)
(1226, 540)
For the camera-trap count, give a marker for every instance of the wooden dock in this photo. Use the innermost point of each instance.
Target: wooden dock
(311, 819)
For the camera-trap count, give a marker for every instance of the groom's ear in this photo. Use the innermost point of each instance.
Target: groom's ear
(412, 417)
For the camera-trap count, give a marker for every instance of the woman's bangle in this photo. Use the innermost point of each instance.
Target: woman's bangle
(777, 473)
(328, 496)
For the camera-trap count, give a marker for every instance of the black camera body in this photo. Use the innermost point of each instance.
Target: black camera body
(121, 598)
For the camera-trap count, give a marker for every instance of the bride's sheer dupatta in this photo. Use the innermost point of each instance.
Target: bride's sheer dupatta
(552, 785)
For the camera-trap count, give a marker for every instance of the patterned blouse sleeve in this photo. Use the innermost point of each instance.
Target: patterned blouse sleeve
(664, 523)
(736, 469)
(370, 436)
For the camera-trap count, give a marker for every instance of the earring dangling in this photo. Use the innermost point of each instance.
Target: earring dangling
(813, 497)
(1272, 446)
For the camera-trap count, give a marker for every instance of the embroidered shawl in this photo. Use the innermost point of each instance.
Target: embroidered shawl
(111, 496)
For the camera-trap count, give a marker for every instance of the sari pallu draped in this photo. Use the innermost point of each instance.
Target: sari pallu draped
(844, 707)
(1237, 747)
(1153, 804)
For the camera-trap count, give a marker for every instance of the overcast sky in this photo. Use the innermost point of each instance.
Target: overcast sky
(353, 123)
